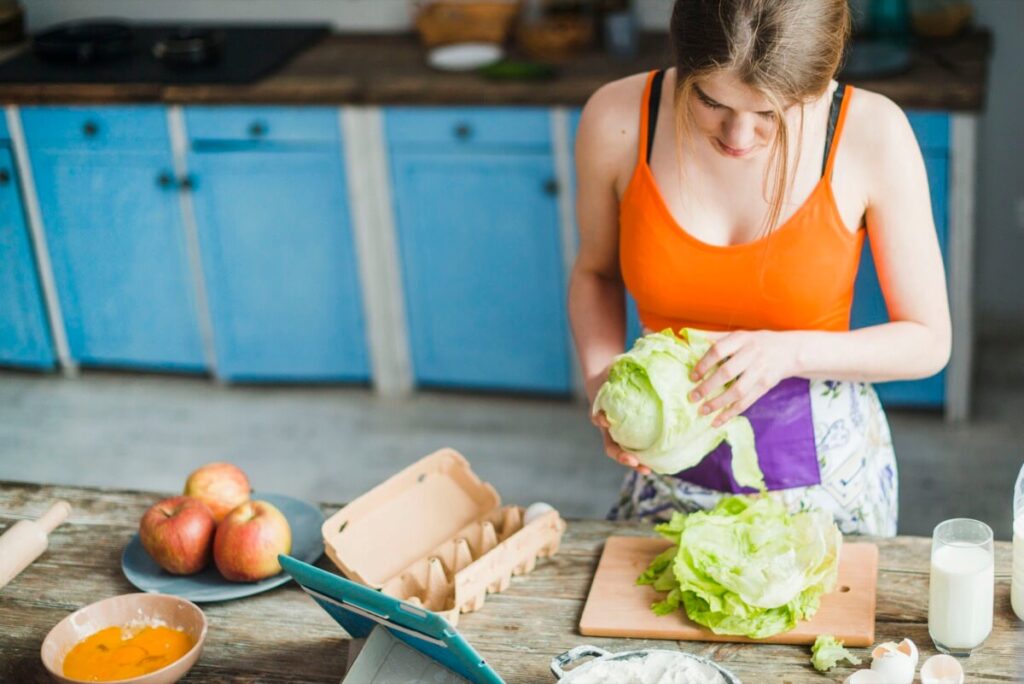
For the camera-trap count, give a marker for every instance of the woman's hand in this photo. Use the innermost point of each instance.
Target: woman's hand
(613, 450)
(752, 361)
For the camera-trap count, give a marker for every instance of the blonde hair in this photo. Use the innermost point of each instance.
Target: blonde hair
(788, 50)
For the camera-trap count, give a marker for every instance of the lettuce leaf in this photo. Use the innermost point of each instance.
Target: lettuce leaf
(827, 651)
(645, 400)
(747, 566)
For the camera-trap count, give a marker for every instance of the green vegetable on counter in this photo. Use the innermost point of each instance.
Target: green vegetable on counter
(747, 566)
(645, 400)
(828, 651)
(518, 70)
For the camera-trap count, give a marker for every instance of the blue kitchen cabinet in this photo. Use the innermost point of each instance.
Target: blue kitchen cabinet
(478, 234)
(932, 131)
(24, 332)
(113, 226)
(277, 248)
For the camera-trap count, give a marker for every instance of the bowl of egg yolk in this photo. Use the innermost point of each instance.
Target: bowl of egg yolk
(132, 639)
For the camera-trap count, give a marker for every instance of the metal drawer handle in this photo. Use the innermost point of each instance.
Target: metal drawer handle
(90, 128)
(463, 131)
(551, 186)
(5, 176)
(257, 129)
(166, 179)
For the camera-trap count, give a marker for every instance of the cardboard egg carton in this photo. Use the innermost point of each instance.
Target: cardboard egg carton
(436, 536)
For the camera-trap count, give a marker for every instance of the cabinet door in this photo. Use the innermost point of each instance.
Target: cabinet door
(869, 308)
(279, 262)
(113, 226)
(481, 260)
(24, 333)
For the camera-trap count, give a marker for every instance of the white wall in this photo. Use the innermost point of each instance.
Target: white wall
(999, 258)
(352, 15)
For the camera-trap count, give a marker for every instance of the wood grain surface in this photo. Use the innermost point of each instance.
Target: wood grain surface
(391, 69)
(283, 636)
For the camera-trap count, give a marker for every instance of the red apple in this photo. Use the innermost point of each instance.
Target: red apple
(177, 533)
(248, 541)
(221, 486)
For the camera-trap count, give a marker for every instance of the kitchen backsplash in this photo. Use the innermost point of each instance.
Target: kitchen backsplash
(345, 15)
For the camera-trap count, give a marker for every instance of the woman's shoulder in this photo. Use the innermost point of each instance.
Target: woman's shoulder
(876, 127)
(619, 96)
(876, 147)
(609, 126)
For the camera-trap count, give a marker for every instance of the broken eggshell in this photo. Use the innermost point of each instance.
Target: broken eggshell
(895, 663)
(864, 677)
(942, 669)
(906, 647)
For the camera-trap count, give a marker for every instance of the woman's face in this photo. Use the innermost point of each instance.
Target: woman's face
(736, 119)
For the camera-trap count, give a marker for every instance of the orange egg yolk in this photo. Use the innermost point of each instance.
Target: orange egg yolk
(116, 653)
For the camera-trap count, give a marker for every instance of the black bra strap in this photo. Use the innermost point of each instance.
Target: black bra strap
(653, 105)
(833, 117)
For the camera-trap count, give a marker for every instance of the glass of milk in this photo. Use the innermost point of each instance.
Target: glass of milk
(962, 586)
(1017, 581)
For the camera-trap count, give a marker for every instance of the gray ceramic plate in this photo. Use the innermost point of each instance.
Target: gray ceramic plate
(305, 520)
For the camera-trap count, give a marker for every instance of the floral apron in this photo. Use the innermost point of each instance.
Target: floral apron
(821, 444)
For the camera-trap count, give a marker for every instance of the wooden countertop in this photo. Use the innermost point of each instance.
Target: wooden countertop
(283, 636)
(390, 70)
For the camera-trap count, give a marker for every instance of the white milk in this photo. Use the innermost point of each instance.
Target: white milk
(1017, 590)
(960, 596)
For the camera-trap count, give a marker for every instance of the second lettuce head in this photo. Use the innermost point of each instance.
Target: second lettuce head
(645, 400)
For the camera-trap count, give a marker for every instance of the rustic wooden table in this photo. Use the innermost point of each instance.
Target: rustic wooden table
(282, 636)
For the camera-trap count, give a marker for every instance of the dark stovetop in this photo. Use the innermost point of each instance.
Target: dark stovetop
(247, 53)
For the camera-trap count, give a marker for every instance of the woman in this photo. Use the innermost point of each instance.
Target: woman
(732, 193)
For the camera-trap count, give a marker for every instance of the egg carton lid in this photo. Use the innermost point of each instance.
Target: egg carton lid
(401, 520)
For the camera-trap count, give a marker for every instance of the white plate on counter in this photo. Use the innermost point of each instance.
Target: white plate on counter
(464, 56)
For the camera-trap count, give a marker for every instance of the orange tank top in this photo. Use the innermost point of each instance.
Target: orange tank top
(798, 277)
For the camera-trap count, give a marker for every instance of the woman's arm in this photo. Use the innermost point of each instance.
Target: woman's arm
(596, 293)
(906, 253)
(916, 341)
(605, 147)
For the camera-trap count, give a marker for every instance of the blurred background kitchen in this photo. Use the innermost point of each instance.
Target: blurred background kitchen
(323, 238)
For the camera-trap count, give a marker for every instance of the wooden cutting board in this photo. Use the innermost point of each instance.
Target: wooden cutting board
(617, 607)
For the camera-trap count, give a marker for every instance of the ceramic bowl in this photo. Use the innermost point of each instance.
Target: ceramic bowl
(122, 610)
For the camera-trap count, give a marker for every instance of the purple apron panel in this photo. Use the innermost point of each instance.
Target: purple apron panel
(784, 440)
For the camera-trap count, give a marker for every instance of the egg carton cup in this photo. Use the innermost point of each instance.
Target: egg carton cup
(434, 535)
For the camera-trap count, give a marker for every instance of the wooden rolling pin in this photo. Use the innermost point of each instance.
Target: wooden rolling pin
(27, 539)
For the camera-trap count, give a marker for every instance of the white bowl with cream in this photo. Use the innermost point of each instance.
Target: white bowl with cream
(648, 666)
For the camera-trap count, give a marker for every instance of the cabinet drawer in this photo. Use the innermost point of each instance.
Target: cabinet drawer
(468, 126)
(269, 124)
(96, 128)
